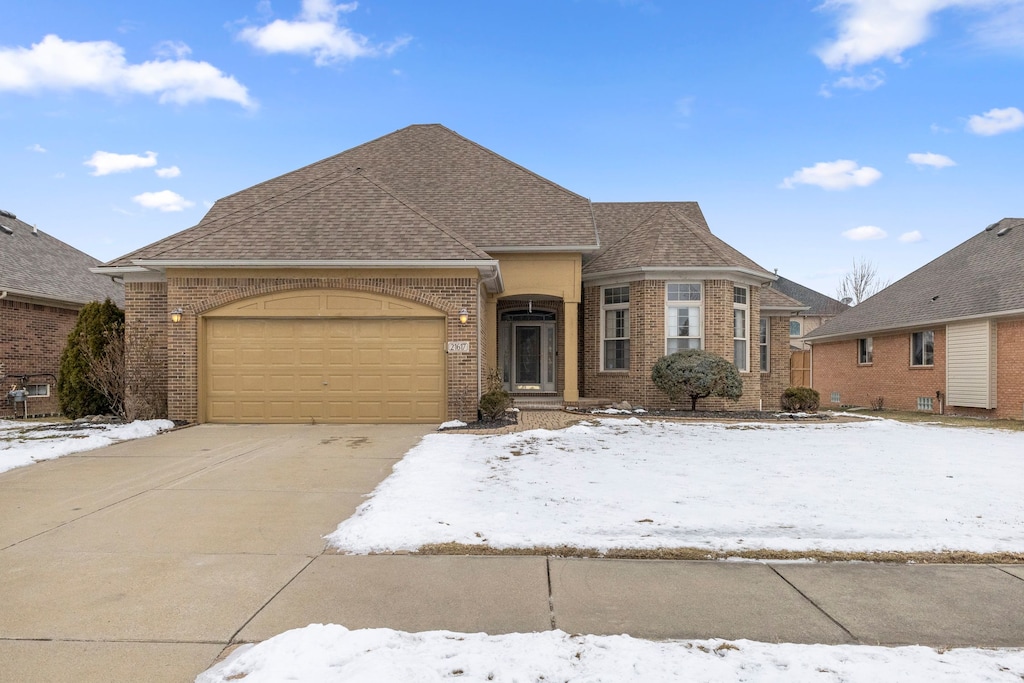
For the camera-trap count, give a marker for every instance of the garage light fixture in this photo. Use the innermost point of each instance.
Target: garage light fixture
(463, 316)
(176, 315)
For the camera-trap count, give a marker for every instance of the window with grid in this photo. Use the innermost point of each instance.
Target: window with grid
(922, 348)
(37, 389)
(865, 352)
(682, 316)
(794, 328)
(615, 327)
(762, 343)
(740, 328)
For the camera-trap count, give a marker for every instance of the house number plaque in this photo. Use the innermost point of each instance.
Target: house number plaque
(458, 347)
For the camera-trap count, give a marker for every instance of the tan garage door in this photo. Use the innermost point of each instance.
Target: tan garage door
(324, 370)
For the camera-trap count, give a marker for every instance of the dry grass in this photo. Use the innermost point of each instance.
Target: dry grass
(946, 557)
(948, 420)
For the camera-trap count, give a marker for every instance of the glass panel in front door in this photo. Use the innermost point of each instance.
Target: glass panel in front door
(528, 356)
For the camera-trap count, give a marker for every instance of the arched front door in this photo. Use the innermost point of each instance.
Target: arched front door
(528, 347)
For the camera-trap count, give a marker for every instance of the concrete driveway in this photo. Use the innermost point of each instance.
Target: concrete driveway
(141, 561)
(146, 560)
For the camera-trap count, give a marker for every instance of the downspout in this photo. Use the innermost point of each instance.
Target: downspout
(3, 294)
(479, 347)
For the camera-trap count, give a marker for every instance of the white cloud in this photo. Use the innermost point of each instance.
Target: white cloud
(841, 174)
(912, 236)
(105, 163)
(996, 121)
(173, 49)
(869, 81)
(36, 148)
(876, 29)
(165, 200)
(930, 159)
(316, 32)
(100, 66)
(169, 172)
(865, 232)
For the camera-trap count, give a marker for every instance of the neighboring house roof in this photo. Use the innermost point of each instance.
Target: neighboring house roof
(659, 235)
(816, 302)
(452, 189)
(774, 300)
(980, 278)
(37, 265)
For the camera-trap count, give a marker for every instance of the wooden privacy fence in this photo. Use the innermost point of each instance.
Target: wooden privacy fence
(800, 369)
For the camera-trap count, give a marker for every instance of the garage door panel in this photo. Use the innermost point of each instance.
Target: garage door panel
(339, 370)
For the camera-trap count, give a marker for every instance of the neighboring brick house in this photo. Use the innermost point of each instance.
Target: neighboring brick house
(382, 284)
(819, 310)
(949, 337)
(43, 284)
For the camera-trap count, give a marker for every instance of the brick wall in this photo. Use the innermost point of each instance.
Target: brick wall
(1010, 369)
(32, 337)
(149, 309)
(146, 317)
(889, 376)
(776, 380)
(647, 301)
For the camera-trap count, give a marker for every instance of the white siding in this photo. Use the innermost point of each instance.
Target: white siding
(971, 364)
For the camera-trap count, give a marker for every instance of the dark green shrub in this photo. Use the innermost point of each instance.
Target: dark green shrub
(495, 400)
(77, 395)
(800, 399)
(696, 374)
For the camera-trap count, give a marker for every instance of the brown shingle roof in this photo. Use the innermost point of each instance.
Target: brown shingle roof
(36, 264)
(345, 215)
(980, 277)
(774, 299)
(816, 302)
(659, 235)
(452, 183)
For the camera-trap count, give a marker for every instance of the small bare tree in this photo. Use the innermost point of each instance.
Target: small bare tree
(131, 398)
(860, 282)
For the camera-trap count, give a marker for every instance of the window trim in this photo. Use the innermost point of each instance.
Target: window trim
(697, 303)
(44, 395)
(927, 362)
(618, 306)
(870, 343)
(745, 307)
(764, 340)
(799, 328)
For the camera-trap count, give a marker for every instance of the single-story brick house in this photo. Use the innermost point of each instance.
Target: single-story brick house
(44, 283)
(949, 337)
(383, 283)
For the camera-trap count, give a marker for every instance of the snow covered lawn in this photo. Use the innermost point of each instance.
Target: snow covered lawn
(320, 653)
(23, 443)
(875, 485)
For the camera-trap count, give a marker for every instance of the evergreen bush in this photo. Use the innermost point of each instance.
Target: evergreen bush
(77, 395)
(696, 374)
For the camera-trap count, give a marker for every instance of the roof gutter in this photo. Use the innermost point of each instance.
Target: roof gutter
(44, 299)
(490, 272)
(761, 275)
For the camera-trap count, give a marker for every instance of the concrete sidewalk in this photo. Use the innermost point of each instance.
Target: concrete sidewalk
(145, 560)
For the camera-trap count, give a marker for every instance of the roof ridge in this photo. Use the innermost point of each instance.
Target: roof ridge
(505, 159)
(706, 236)
(320, 161)
(420, 212)
(345, 173)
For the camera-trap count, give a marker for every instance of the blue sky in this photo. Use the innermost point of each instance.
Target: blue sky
(811, 133)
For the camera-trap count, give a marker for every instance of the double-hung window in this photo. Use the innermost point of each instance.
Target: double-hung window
(682, 316)
(740, 328)
(615, 327)
(922, 348)
(762, 343)
(865, 352)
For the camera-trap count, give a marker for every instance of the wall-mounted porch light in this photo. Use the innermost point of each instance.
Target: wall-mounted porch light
(463, 316)
(176, 315)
